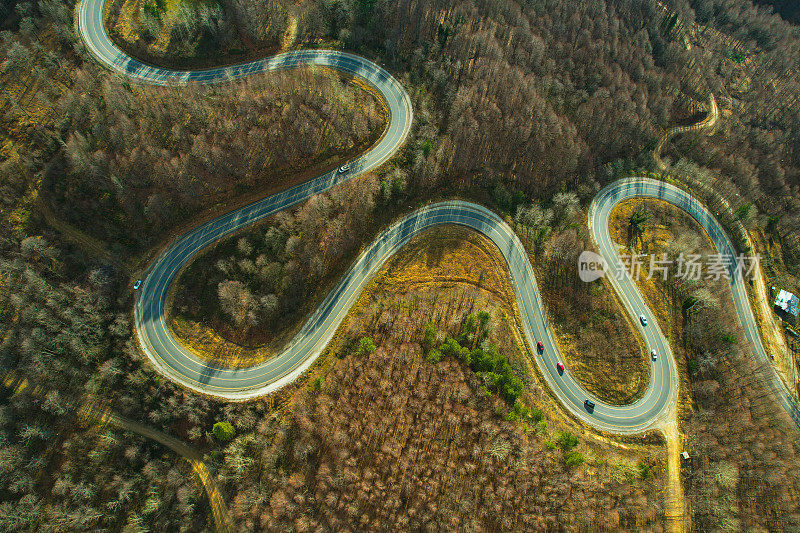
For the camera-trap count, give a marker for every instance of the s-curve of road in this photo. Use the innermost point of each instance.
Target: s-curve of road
(180, 365)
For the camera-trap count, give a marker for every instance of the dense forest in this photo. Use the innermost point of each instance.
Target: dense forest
(746, 455)
(252, 287)
(96, 172)
(399, 432)
(788, 9)
(578, 91)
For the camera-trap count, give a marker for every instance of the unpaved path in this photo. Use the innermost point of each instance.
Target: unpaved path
(93, 413)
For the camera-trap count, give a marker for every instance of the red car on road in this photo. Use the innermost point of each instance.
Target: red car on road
(560, 367)
(540, 346)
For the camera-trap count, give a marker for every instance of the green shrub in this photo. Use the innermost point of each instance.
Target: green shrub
(155, 8)
(512, 387)
(223, 431)
(429, 335)
(366, 346)
(485, 361)
(735, 55)
(521, 410)
(434, 356)
(475, 328)
(644, 470)
(450, 347)
(566, 440)
(573, 458)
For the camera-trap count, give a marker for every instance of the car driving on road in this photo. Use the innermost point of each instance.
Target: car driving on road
(137, 284)
(560, 367)
(589, 404)
(654, 355)
(344, 168)
(540, 346)
(643, 320)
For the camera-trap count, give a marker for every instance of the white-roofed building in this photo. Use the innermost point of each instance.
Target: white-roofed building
(787, 303)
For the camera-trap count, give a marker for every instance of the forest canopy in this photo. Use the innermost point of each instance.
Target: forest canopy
(529, 106)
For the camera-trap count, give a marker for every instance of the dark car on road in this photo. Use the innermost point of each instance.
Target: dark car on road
(589, 404)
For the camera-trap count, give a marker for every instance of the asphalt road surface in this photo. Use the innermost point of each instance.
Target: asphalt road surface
(599, 213)
(180, 365)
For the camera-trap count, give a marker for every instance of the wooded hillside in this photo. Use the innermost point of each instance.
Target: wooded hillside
(517, 103)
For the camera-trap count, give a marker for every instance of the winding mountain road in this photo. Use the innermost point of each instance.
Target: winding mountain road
(707, 123)
(599, 215)
(180, 365)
